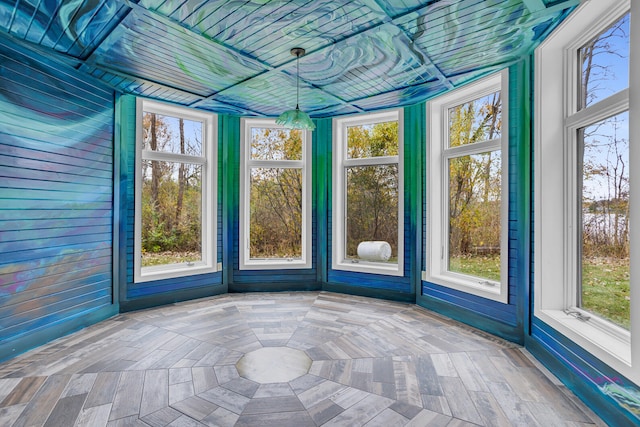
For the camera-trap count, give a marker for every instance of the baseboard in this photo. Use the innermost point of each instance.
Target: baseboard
(275, 287)
(370, 292)
(141, 303)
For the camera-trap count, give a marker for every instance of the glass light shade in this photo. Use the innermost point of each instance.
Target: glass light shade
(295, 119)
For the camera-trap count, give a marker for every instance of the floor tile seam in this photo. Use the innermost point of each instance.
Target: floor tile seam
(408, 309)
(84, 401)
(315, 299)
(517, 396)
(170, 405)
(246, 321)
(479, 410)
(303, 408)
(33, 393)
(357, 332)
(40, 353)
(163, 328)
(36, 394)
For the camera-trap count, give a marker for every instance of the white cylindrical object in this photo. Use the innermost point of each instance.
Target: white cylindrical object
(374, 251)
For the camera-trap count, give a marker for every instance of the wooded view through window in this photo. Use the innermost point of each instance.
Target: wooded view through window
(275, 194)
(372, 190)
(171, 230)
(475, 187)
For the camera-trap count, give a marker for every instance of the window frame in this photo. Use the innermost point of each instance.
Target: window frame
(246, 164)
(437, 172)
(340, 164)
(556, 252)
(208, 161)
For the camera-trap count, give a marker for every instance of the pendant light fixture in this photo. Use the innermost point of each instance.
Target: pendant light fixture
(296, 119)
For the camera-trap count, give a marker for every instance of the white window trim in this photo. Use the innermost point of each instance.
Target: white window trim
(246, 163)
(208, 160)
(555, 133)
(438, 155)
(340, 163)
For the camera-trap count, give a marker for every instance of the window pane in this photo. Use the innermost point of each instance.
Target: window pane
(605, 64)
(276, 144)
(171, 134)
(372, 210)
(474, 215)
(171, 213)
(375, 140)
(605, 225)
(475, 121)
(276, 213)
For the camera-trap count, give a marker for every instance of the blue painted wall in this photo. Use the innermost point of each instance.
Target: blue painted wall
(610, 395)
(56, 189)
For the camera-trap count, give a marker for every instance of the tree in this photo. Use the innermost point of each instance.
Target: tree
(156, 135)
(474, 180)
(372, 191)
(276, 196)
(603, 149)
(605, 191)
(171, 191)
(597, 72)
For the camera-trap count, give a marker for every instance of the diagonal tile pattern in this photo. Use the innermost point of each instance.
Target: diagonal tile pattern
(373, 363)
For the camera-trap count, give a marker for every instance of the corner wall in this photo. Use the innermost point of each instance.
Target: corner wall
(56, 200)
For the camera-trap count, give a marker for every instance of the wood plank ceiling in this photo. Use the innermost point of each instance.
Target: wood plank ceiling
(233, 56)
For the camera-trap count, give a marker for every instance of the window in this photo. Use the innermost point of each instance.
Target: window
(275, 196)
(467, 189)
(175, 214)
(368, 194)
(582, 183)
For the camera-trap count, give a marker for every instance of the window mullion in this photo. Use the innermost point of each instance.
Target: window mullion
(273, 164)
(172, 157)
(601, 110)
(371, 161)
(475, 148)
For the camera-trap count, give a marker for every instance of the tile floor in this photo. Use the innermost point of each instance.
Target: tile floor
(282, 359)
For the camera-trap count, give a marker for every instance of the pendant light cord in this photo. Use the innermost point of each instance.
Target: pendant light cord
(297, 81)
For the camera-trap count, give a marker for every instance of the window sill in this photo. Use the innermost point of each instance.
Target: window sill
(275, 264)
(162, 272)
(610, 347)
(468, 285)
(369, 267)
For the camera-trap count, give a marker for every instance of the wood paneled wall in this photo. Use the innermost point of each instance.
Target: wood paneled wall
(56, 189)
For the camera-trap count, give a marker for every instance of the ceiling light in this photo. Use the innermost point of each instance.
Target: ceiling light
(296, 119)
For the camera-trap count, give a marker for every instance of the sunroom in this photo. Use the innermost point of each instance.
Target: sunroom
(470, 159)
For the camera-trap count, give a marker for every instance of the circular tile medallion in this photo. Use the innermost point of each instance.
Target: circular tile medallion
(273, 365)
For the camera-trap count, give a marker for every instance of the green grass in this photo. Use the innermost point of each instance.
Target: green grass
(485, 266)
(605, 289)
(162, 258)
